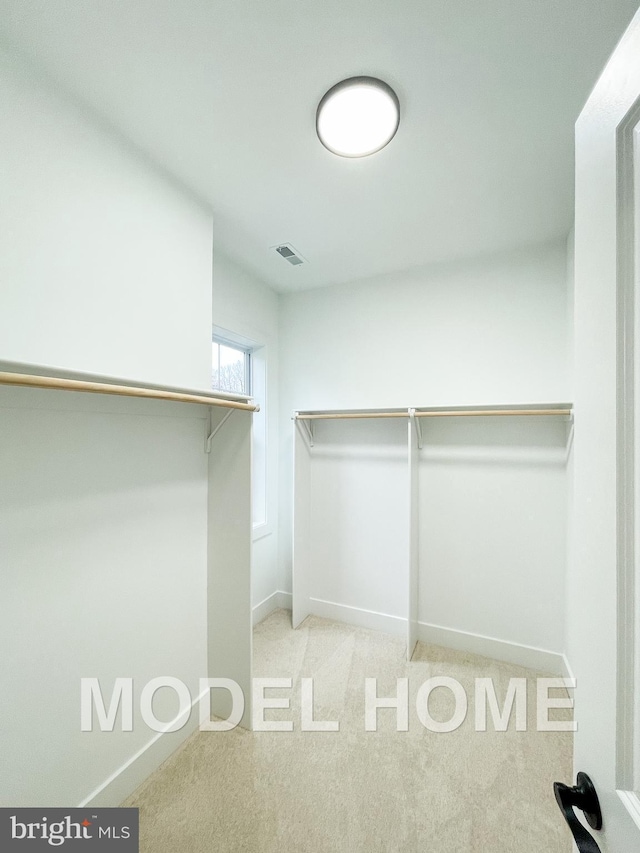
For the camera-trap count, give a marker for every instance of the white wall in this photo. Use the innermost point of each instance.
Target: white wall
(493, 532)
(358, 546)
(493, 496)
(103, 526)
(105, 267)
(249, 308)
(492, 331)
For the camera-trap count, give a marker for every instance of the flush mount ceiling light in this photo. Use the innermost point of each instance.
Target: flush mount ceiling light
(357, 117)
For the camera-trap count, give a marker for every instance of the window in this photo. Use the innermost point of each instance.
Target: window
(230, 367)
(239, 366)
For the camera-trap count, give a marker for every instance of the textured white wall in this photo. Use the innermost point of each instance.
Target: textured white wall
(493, 495)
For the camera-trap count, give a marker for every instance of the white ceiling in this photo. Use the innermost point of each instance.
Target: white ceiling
(223, 93)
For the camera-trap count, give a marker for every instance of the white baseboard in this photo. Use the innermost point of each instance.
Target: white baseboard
(285, 600)
(543, 660)
(357, 616)
(278, 600)
(503, 650)
(127, 778)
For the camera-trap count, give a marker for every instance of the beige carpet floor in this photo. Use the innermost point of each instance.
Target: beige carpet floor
(384, 792)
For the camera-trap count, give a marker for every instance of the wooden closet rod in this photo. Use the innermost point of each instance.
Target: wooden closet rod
(473, 413)
(52, 383)
(469, 413)
(335, 416)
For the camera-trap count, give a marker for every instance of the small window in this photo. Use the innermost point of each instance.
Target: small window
(239, 365)
(230, 367)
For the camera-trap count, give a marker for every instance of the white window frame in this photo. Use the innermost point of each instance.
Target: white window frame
(257, 384)
(241, 346)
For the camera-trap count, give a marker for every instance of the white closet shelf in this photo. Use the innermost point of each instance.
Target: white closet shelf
(173, 394)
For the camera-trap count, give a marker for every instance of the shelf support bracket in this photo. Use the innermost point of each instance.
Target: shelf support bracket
(306, 428)
(219, 426)
(416, 422)
(570, 435)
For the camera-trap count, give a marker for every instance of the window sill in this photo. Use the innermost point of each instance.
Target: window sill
(261, 530)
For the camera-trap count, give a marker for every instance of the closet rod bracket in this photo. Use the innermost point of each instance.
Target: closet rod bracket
(213, 431)
(306, 427)
(416, 423)
(570, 434)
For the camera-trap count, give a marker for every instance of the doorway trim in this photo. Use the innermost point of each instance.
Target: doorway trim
(627, 474)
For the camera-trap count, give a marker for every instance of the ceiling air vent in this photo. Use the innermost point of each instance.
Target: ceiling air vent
(290, 254)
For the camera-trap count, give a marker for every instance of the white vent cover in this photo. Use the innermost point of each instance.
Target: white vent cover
(293, 256)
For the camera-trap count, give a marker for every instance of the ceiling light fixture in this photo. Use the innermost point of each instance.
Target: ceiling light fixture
(358, 117)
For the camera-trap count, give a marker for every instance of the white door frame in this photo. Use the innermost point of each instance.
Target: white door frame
(627, 475)
(601, 608)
